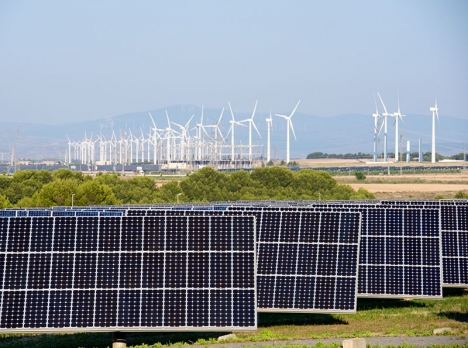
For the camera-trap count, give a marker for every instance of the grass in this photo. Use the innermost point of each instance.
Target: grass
(374, 318)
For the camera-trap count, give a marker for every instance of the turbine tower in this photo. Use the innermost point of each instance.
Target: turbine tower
(233, 124)
(435, 112)
(397, 116)
(251, 123)
(385, 115)
(376, 117)
(269, 121)
(289, 125)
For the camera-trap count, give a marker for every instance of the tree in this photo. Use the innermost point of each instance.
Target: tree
(205, 185)
(63, 173)
(25, 183)
(56, 193)
(4, 202)
(94, 193)
(167, 193)
(360, 175)
(315, 155)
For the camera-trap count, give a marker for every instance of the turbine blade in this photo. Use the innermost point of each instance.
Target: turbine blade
(292, 128)
(398, 94)
(168, 122)
(220, 117)
(375, 102)
(186, 125)
(283, 116)
(232, 114)
(255, 108)
(154, 124)
(253, 124)
(380, 130)
(385, 109)
(292, 113)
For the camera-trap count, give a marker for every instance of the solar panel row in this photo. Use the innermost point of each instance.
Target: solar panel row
(307, 258)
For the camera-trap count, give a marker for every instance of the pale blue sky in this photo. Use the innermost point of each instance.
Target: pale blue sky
(65, 61)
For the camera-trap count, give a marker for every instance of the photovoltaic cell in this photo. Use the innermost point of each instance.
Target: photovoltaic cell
(99, 273)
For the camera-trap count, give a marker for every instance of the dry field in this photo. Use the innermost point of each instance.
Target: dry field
(396, 186)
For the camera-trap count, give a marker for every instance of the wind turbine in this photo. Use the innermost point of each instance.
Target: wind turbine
(155, 135)
(184, 137)
(217, 131)
(251, 123)
(233, 124)
(435, 112)
(170, 137)
(269, 121)
(289, 125)
(397, 116)
(385, 115)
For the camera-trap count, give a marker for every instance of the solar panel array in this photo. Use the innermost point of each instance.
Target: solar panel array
(310, 257)
(127, 273)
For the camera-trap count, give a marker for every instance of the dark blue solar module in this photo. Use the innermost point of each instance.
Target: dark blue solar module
(455, 245)
(400, 251)
(306, 261)
(92, 273)
(454, 237)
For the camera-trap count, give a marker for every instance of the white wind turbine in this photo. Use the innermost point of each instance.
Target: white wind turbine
(385, 115)
(397, 116)
(199, 144)
(233, 124)
(170, 137)
(155, 135)
(251, 123)
(183, 138)
(435, 112)
(269, 121)
(217, 131)
(289, 125)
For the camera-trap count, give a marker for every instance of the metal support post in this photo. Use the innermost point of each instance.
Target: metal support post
(119, 339)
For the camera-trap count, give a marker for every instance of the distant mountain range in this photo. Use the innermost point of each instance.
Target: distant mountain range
(346, 133)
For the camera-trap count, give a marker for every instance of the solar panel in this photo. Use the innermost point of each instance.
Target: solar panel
(455, 245)
(454, 237)
(92, 273)
(306, 261)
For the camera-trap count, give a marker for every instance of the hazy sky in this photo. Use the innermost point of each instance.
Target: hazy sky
(65, 61)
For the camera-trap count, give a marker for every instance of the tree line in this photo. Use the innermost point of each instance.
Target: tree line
(31, 188)
(362, 155)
